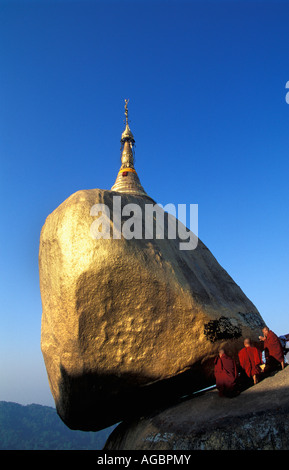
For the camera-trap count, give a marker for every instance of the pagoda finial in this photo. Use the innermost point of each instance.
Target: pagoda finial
(127, 180)
(127, 135)
(126, 111)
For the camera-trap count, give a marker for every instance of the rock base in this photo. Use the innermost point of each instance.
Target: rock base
(257, 419)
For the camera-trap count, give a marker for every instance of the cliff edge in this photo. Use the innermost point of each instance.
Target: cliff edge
(257, 419)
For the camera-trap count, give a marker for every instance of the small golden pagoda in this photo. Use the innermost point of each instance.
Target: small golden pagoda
(127, 180)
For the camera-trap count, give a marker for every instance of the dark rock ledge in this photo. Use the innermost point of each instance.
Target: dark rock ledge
(257, 419)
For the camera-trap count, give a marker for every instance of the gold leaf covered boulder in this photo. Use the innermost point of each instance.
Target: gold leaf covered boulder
(130, 324)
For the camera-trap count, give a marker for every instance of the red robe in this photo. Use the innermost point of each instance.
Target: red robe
(272, 343)
(249, 358)
(225, 374)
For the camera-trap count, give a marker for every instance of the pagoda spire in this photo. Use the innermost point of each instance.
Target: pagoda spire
(127, 180)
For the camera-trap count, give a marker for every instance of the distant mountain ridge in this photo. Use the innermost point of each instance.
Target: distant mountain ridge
(38, 427)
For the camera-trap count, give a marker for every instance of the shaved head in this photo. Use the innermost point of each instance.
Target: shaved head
(265, 330)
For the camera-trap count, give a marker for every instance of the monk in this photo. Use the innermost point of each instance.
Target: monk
(226, 375)
(250, 359)
(275, 352)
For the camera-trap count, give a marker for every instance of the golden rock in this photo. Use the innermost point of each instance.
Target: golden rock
(130, 324)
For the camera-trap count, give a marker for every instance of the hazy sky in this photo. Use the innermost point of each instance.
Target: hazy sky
(206, 83)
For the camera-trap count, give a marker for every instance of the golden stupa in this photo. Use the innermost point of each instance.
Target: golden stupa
(127, 180)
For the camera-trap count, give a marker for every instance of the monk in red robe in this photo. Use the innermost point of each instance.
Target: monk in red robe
(250, 359)
(226, 374)
(273, 345)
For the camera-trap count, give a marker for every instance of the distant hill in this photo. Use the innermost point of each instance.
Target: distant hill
(37, 427)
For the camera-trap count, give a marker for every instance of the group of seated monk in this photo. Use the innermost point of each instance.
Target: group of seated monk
(230, 377)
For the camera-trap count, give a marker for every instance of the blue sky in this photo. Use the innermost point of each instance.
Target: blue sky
(206, 84)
